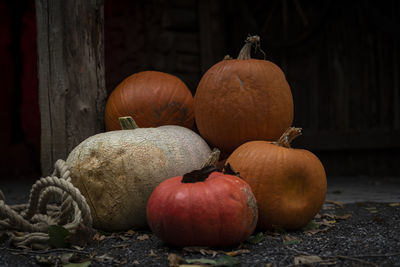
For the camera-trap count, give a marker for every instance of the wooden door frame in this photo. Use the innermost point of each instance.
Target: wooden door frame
(72, 93)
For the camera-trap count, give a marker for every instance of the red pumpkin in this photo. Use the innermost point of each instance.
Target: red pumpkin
(152, 99)
(239, 100)
(202, 208)
(289, 184)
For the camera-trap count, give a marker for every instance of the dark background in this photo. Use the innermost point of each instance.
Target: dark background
(341, 59)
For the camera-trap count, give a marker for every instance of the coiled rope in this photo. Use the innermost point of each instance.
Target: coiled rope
(32, 220)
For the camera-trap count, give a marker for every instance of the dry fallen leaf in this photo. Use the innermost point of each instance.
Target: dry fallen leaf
(288, 240)
(135, 262)
(129, 232)
(336, 203)
(336, 217)
(82, 235)
(143, 237)
(309, 259)
(202, 250)
(394, 204)
(318, 229)
(104, 258)
(327, 222)
(237, 252)
(152, 253)
(124, 238)
(123, 262)
(175, 260)
(98, 237)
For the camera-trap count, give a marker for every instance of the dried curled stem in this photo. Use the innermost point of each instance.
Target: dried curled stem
(245, 52)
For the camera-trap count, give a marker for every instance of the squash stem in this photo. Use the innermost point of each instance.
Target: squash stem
(212, 159)
(127, 123)
(245, 52)
(288, 136)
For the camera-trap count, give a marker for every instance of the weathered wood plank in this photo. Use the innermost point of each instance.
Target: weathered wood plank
(71, 75)
(212, 36)
(184, 19)
(348, 140)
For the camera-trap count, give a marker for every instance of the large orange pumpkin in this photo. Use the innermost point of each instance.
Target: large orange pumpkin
(152, 99)
(239, 100)
(289, 184)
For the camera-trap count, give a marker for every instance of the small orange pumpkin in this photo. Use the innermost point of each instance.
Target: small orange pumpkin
(152, 99)
(289, 184)
(244, 99)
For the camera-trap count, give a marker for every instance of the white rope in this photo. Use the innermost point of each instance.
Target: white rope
(32, 220)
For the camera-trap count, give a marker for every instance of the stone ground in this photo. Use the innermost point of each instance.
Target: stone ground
(364, 231)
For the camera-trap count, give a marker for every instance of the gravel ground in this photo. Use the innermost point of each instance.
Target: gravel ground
(357, 234)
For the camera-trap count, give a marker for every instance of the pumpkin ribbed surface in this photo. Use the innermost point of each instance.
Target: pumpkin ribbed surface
(241, 100)
(289, 184)
(117, 171)
(153, 99)
(218, 212)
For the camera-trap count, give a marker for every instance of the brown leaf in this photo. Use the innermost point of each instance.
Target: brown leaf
(175, 260)
(143, 237)
(77, 247)
(336, 217)
(135, 262)
(99, 237)
(82, 236)
(152, 253)
(129, 232)
(124, 238)
(394, 204)
(237, 252)
(327, 222)
(309, 259)
(336, 203)
(319, 230)
(202, 250)
(342, 217)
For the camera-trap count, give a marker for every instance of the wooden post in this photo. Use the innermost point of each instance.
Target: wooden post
(71, 75)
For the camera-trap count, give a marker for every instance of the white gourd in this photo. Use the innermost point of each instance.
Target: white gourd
(117, 171)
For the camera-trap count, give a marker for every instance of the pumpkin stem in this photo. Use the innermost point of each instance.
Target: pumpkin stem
(198, 175)
(288, 136)
(212, 159)
(127, 123)
(245, 52)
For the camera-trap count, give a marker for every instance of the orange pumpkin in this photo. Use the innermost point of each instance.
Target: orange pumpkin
(239, 100)
(152, 99)
(289, 184)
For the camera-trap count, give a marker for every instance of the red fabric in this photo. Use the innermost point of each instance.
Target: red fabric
(30, 122)
(6, 76)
